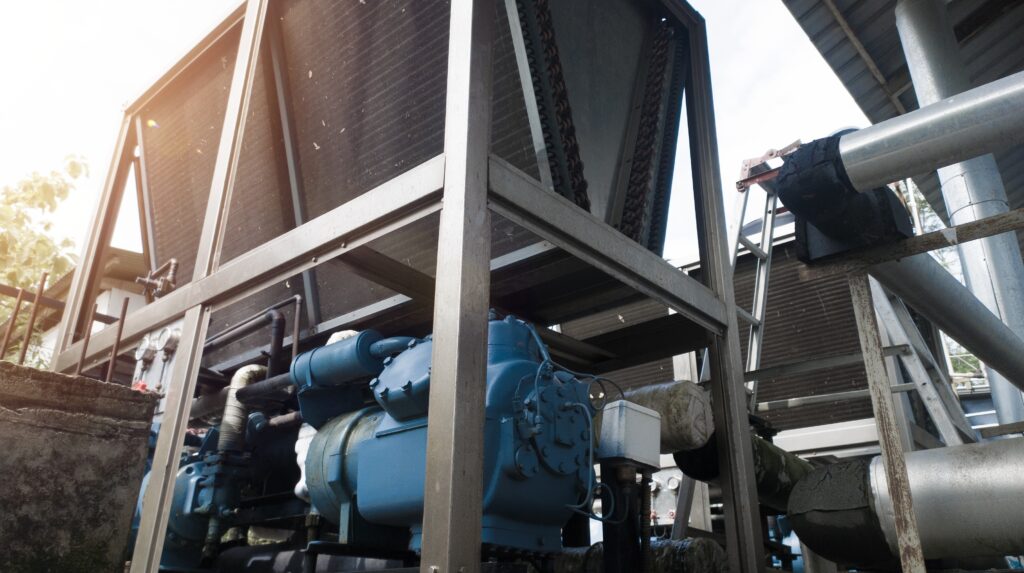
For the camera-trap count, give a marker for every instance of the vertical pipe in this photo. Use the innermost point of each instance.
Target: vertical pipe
(11, 322)
(116, 347)
(647, 559)
(86, 336)
(32, 318)
(453, 485)
(971, 189)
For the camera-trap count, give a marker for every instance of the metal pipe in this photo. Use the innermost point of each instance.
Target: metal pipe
(647, 559)
(117, 341)
(86, 336)
(966, 499)
(923, 284)
(275, 365)
(32, 318)
(232, 424)
(11, 322)
(776, 469)
(982, 120)
(685, 408)
(979, 484)
(971, 189)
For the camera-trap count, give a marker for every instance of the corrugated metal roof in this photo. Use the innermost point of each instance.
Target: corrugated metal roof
(990, 36)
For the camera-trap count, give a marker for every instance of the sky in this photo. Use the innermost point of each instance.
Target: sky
(68, 68)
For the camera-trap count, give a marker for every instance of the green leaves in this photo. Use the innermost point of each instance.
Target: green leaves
(27, 247)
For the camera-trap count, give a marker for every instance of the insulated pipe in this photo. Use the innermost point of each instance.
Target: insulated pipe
(967, 501)
(931, 290)
(685, 408)
(971, 189)
(982, 120)
(775, 469)
(232, 424)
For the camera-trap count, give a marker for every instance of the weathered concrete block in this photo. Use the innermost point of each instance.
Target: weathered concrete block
(74, 453)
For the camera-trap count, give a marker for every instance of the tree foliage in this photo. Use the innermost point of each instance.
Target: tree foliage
(27, 244)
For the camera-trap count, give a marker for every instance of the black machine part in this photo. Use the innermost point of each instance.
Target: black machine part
(832, 217)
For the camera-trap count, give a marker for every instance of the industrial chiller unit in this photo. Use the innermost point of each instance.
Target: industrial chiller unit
(433, 185)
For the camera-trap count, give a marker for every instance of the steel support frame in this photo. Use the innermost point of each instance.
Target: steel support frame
(911, 555)
(743, 527)
(452, 512)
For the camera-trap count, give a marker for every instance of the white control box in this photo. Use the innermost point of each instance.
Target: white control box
(630, 432)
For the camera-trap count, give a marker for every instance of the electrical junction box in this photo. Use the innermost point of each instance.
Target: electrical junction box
(630, 432)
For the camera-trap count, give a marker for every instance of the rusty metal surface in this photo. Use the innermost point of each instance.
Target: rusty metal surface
(898, 482)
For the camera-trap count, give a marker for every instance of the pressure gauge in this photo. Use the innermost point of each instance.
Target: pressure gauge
(167, 340)
(145, 351)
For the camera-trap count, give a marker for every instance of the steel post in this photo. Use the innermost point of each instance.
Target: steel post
(971, 189)
(909, 541)
(453, 485)
(156, 497)
(32, 318)
(743, 527)
(12, 321)
(80, 293)
(229, 150)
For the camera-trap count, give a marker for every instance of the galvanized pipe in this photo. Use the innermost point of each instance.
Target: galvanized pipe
(923, 284)
(967, 503)
(976, 122)
(971, 189)
(967, 499)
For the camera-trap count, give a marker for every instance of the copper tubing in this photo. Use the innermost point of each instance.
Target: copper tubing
(11, 322)
(117, 341)
(32, 318)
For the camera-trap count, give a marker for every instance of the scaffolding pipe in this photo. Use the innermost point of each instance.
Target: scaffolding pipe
(971, 189)
(978, 121)
(925, 285)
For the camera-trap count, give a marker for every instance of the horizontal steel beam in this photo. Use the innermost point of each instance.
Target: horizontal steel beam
(979, 121)
(389, 206)
(786, 403)
(818, 364)
(860, 261)
(521, 199)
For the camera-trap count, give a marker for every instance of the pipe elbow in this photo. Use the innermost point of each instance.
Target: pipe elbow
(232, 425)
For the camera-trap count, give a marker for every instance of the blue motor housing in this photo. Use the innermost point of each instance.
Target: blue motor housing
(368, 467)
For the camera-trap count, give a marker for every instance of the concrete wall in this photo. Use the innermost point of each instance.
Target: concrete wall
(74, 453)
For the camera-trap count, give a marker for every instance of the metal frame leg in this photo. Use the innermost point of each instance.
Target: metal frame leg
(911, 555)
(454, 490)
(156, 501)
(743, 528)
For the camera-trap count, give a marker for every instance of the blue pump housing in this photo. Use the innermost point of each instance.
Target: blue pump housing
(368, 470)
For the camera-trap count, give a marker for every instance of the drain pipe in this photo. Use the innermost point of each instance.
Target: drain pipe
(971, 189)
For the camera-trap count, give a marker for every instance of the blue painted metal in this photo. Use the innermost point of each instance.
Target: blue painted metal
(326, 376)
(369, 467)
